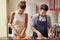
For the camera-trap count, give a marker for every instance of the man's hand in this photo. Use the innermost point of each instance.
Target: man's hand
(39, 35)
(50, 35)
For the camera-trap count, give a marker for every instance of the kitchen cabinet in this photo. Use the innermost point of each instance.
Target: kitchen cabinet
(54, 5)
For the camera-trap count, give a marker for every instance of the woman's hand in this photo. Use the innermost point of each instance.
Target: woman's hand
(21, 35)
(16, 33)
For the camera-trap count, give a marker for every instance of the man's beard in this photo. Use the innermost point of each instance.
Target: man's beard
(43, 15)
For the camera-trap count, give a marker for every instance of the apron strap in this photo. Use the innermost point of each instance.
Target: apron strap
(38, 18)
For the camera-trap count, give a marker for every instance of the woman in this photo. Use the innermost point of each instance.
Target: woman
(18, 20)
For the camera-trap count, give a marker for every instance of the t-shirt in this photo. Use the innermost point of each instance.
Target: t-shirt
(35, 17)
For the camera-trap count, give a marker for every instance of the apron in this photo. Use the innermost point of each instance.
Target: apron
(41, 26)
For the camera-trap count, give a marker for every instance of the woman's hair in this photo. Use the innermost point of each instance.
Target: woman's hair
(44, 7)
(22, 4)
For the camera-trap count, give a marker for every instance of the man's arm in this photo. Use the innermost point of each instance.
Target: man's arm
(49, 27)
(50, 30)
(36, 31)
(33, 22)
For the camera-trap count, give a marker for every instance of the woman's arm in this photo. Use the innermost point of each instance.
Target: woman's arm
(26, 22)
(10, 23)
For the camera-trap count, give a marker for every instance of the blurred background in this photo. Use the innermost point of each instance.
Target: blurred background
(7, 6)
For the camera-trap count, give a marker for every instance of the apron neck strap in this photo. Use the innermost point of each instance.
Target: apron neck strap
(40, 15)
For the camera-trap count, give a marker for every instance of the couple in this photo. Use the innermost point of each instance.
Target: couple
(40, 25)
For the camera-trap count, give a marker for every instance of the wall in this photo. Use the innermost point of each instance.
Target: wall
(3, 19)
(31, 10)
(12, 6)
(38, 2)
(54, 16)
(59, 17)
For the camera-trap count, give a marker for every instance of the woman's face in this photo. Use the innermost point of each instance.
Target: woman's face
(43, 13)
(20, 11)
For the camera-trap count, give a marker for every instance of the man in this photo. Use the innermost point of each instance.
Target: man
(41, 23)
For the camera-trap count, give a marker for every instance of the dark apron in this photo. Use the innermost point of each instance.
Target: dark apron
(41, 26)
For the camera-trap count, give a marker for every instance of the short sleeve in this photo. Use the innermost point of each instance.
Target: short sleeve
(32, 21)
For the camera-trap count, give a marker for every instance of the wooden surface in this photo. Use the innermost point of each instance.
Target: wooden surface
(26, 38)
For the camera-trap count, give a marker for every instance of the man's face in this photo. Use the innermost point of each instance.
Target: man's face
(20, 11)
(43, 13)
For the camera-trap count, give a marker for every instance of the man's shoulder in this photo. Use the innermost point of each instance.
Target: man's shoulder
(35, 15)
(48, 16)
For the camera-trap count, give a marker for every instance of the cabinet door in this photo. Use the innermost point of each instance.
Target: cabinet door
(51, 4)
(54, 4)
(59, 4)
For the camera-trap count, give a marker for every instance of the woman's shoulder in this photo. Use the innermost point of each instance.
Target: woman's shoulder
(26, 14)
(13, 13)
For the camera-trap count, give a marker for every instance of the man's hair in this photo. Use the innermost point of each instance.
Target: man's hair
(22, 4)
(44, 7)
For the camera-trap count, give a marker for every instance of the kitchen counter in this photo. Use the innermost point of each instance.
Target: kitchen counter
(31, 38)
